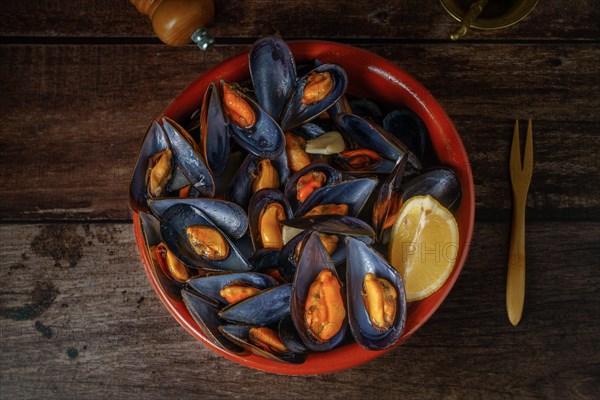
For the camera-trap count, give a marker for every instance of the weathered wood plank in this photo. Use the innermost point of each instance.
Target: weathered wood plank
(78, 319)
(399, 19)
(74, 117)
(78, 114)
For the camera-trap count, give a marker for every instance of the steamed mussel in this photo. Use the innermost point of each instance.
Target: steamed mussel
(270, 225)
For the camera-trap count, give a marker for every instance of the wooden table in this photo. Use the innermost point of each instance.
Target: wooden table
(80, 83)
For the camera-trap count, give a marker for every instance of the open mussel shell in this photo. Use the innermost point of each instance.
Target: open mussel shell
(234, 161)
(177, 181)
(334, 225)
(338, 225)
(173, 225)
(340, 106)
(264, 259)
(150, 227)
(264, 137)
(205, 313)
(388, 203)
(211, 285)
(409, 128)
(332, 176)
(188, 159)
(244, 246)
(367, 109)
(441, 183)
(259, 202)
(289, 335)
(366, 134)
(154, 142)
(311, 64)
(227, 216)
(309, 130)
(264, 308)
(361, 260)
(282, 168)
(354, 193)
(296, 113)
(313, 260)
(240, 335)
(214, 135)
(287, 262)
(239, 190)
(273, 72)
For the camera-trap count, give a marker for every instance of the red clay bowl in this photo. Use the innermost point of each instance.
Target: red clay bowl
(369, 76)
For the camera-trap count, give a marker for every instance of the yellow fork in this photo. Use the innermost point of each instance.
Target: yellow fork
(520, 177)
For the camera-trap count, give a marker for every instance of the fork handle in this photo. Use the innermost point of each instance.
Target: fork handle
(515, 285)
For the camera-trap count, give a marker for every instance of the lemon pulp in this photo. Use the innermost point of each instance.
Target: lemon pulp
(423, 246)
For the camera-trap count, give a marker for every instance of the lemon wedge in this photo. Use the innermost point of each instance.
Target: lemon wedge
(423, 246)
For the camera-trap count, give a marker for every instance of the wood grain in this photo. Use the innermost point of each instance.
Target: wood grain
(243, 19)
(81, 81)
(74, 117)
(78, 114)
(99, 331)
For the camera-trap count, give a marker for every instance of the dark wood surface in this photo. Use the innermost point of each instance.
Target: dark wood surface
(79, 83)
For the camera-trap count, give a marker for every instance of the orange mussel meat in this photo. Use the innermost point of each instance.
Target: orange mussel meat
(329, 242)
(170, 264)
(265, 176)
(324, 209)
(385, 213)
(159, 172)
(267, 339)
(308, 183)
(237, 292)
(318, 85)
(380, 300)
(270, 229)
(237, 108)
(324, 311)
(297, 157)
(208, 242)
(359, 159)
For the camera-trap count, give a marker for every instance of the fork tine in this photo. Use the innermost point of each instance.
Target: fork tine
(528, 157)
(515, 153)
